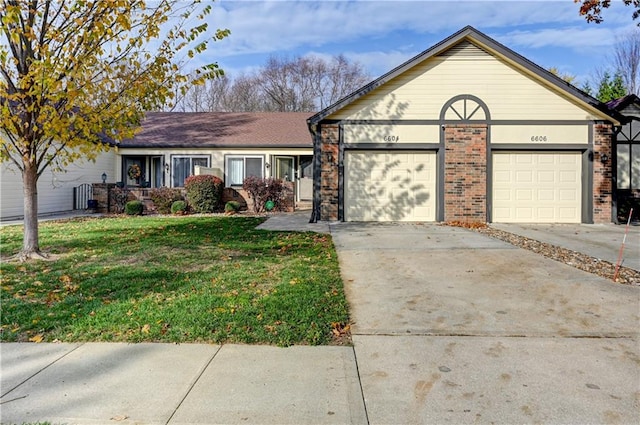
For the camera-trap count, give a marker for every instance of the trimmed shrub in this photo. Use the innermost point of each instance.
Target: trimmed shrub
(164, 197)
(263, 190)
(179, 207)
(133, 208)
(232, 206)
(204, 193)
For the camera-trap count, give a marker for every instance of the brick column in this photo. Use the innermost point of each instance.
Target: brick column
(329, 169)
(465, 173)
(602, 172)
(101, 193)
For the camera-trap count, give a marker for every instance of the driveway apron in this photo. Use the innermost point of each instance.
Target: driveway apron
(451, 326)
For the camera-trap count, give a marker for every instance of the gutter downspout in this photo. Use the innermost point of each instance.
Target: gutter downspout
(317, 173)
(614, 174)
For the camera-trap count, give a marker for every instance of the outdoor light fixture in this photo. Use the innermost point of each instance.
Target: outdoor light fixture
(104, 178)
(267, 165)
(604, 158)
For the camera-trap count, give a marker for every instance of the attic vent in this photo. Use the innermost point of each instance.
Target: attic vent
(464, 49)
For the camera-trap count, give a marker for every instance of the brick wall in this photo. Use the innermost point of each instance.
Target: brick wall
(602, 173)
(101, 194)
(240, 195)
(465, 173)
(329, 166)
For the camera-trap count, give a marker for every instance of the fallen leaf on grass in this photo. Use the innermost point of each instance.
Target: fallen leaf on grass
(146, 328)
(36, 338)
(340, 329)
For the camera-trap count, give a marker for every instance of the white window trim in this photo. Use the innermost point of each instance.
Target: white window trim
(227, 179)
(197, 156)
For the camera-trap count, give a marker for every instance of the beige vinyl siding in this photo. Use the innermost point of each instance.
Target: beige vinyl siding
(540, 134)
(421, 92)
(55, 189)
(385, 134)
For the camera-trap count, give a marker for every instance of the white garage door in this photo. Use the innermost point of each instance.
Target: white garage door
(532, 187)
(390, 186)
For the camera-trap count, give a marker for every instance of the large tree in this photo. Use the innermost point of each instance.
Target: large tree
(626, 58)
(75, 75)
(592, 9)
(611, 88)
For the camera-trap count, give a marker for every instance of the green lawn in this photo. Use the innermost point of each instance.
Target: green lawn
(172, 279)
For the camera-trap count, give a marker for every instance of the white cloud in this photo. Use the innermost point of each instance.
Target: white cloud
(383, 34)
(263, 27)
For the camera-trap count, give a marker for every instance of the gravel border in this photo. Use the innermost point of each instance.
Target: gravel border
(575, 259)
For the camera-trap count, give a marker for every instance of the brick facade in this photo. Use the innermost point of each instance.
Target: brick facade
(465, 173)
(329, 157)
(101, 193)
(602, 172)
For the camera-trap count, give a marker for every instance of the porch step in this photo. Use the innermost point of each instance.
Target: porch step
(304, 205)
(149, 206)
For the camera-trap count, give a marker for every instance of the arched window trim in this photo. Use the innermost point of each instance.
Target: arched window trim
(466, 100)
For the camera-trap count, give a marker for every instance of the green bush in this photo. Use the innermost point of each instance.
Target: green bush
(133, 208)
(179, 207)
(232, 206)
(204, 193)
(164, 197)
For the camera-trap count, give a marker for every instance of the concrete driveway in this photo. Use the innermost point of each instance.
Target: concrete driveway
(451, 326)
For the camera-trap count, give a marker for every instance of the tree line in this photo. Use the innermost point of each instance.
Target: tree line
(298, 84)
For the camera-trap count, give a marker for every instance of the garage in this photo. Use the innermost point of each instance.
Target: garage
(467, 131)
(390, 186)
(537, 187)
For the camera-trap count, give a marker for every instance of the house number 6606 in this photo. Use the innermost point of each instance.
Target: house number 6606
(538, 138)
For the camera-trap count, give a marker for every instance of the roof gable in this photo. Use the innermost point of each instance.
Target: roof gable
(465, 43)
(628, 105)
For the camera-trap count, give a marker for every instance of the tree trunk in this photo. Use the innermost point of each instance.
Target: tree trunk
(30, 244)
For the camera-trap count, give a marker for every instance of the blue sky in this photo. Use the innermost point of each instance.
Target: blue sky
(383, 34)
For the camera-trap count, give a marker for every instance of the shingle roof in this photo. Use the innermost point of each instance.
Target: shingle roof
(623, 102)
(222, 129)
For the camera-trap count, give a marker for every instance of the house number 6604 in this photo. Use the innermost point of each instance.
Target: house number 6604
(391, 138)
(538, 138)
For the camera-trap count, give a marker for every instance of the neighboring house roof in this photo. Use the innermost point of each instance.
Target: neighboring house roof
(222, 130)
(629, 106)
(621, 103)
(472, 34)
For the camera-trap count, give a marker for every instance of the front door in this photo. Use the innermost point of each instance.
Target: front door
(305, 178)
(133, 170)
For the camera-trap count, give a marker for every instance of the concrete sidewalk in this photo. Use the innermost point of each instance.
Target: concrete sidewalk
(102, 383)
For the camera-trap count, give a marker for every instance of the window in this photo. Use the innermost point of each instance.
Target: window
(628, 156)
(184, 166)
(240, 167)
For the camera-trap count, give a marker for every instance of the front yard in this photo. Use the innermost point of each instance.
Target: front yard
(172, 279)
